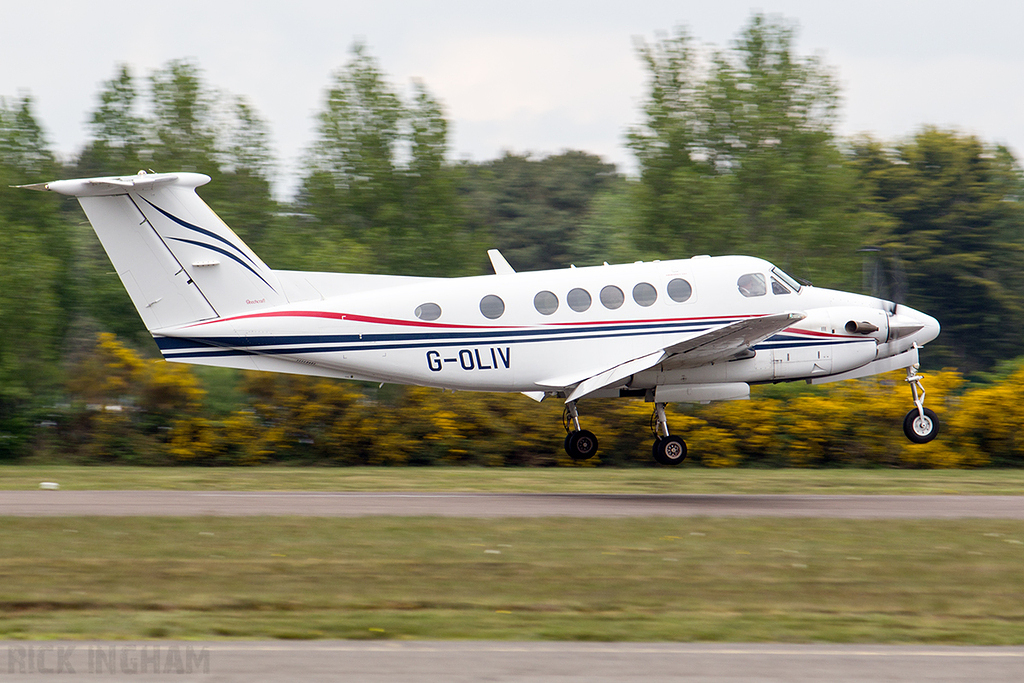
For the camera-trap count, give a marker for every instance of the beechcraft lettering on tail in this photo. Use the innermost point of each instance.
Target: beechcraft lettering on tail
(697, 329)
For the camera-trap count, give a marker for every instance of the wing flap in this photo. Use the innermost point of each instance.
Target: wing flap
(614, 374)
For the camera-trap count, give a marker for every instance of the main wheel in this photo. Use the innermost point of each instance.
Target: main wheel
(921, 429)
(580, 444)
(669, 450)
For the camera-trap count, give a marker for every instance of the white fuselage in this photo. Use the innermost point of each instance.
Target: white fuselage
(536, 332)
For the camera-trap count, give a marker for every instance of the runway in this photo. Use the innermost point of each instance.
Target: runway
(529, 662)
(522, 662)
(497, 505)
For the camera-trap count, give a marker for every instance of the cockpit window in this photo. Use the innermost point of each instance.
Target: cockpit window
(752, 284)
(779, 288)
(789, 280)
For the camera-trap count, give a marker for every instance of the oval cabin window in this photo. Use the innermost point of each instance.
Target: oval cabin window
(578, 300)
(545, 302)
(492, 306)
(612, 297)
(428, 311)
(679, 290)
(645, 294)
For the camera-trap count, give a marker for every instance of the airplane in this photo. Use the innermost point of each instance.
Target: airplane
(690, 330)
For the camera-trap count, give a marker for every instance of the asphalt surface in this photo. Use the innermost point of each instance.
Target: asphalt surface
(496, 505)
(534, 662)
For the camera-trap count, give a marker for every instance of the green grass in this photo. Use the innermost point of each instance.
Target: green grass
(559, 480)
(653, 579)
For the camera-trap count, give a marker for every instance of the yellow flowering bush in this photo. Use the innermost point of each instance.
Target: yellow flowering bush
(134, 409)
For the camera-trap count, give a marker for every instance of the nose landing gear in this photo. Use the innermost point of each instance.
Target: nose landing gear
(921, 424)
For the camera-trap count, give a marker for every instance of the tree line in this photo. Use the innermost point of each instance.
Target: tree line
(736, 148)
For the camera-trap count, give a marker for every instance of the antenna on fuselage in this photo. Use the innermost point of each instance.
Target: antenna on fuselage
(498, 262)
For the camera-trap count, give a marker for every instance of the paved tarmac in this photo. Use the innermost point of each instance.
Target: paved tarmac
(494, 505)
(533, 662)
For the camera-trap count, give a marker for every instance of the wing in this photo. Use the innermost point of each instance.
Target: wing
(728, 340)
(715, 344)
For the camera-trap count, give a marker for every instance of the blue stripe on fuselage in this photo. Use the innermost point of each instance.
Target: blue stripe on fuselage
(212, 347)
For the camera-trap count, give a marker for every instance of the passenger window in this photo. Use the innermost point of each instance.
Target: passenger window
(492, 306)
(679, 290)
(752, 284)
(545, 302)
(645, 294)
(778, 287)
(428, 311)
(612, 297)
(578, 300)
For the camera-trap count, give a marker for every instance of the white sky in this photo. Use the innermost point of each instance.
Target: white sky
(528, 76)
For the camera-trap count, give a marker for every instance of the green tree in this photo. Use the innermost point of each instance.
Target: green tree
(377, 182)
(242, 193)
(740, 156)
(950, 223)
(182, 125)
(438, 241)
(534, 210)
(35, 293)
(118, 134)
(352, 183)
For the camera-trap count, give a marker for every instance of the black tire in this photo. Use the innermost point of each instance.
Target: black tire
(670, 450)
(918, 429)
(581, 444)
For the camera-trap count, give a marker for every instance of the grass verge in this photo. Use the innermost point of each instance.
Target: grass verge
(560, 480)
(656, 579)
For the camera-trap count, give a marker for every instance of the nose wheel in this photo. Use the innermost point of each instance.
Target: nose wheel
(921, 424)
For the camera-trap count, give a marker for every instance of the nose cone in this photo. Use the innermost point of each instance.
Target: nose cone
(931, 329)
(908, 324)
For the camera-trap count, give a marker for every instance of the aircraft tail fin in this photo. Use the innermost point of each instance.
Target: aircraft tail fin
(178, 260)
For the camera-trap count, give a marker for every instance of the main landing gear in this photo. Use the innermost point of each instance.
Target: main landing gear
(581, 444)
(667, 449)
(921, 424)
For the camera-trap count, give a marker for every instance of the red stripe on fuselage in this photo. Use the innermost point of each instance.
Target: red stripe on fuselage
(351, 317)
(420, 323)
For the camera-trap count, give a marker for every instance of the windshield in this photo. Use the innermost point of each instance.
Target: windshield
(793, 284)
